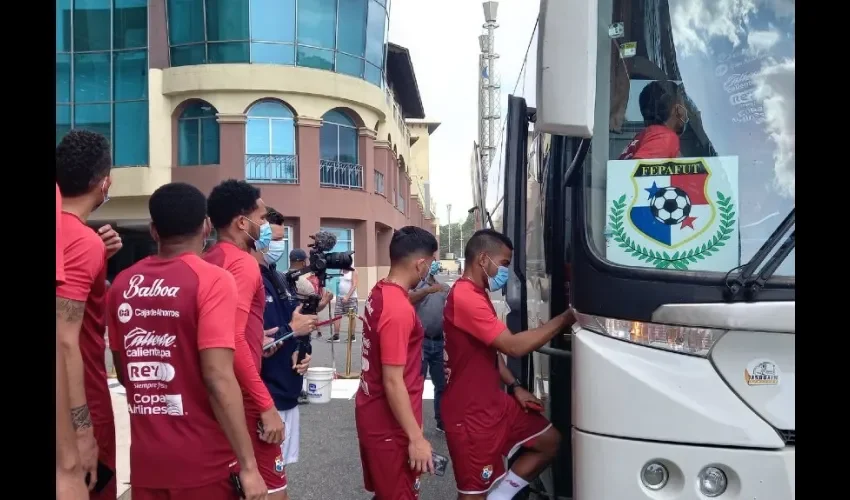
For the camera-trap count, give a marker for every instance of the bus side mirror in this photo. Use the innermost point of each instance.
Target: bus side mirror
(566, 67)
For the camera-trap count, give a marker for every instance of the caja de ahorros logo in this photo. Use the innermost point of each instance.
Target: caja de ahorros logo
(139, 342)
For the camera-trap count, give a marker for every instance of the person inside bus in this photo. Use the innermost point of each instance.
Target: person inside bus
(662, 104)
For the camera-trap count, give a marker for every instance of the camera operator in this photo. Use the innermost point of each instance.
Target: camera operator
(281, 370)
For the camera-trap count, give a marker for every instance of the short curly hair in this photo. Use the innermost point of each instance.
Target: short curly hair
(229, 200)
(83, 159)
(411, 241)
(177, 210)
(274, 217)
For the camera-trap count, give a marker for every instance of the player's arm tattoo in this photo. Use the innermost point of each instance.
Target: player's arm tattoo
(69, 310)
(81, 418)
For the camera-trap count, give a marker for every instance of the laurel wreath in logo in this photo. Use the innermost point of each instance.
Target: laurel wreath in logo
(679, 260)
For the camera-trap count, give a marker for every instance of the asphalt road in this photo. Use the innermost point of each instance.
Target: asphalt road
(329, 462)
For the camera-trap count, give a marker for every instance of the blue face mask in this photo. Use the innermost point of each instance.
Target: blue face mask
(277, 249)
(499, 281)
(435, 268)
(265, 237)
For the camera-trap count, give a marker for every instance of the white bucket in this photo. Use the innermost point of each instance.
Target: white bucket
(319, 381)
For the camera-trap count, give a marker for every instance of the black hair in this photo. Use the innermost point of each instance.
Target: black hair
(657, 101)
(485, 240)
(83, 159)
(412, 241)
(177, 209)
(274, 217)
(229, 200)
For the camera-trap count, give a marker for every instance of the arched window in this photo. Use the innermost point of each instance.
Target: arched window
(270, 143)
(338, 143)
(198, 135)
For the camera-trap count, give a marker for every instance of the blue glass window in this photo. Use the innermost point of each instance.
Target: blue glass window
(92, 19)
(227, 20)
(317, 23)
(315, 58)
(131, 133)
(185, 22)
(375, 31)
(273, 53)
(198, 135)
(270, 129)
(273, 21)
(352, 36)
(338, 138)
(334, 35)
(91, 77)
(131, 75)
(130, 24)
(110, 82)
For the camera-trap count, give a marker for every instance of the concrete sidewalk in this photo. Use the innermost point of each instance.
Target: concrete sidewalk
(122, 443)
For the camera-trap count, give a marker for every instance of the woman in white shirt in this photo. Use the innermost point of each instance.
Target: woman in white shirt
(346, 301)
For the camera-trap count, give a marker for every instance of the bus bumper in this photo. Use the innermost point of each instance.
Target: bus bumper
(610, 468)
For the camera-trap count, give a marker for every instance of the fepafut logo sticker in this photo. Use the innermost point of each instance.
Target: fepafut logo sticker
(125, 312)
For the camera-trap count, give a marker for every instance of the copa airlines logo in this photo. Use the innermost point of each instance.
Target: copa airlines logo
(139, 342)
(150, 371)
(136, 288)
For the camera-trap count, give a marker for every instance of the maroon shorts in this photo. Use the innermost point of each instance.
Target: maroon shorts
(104, 435)
(478, 454)
(386, 471)
(269, 458)
(221, 490)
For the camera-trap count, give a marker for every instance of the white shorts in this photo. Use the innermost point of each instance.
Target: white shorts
(292, 424)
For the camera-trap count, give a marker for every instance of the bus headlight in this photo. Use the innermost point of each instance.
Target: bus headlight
(654, 475)
(712, 482)
(681, 339)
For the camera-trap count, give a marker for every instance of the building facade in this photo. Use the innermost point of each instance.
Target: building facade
(303, 98)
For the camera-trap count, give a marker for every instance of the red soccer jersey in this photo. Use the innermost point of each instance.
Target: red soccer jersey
(473, 394)
(60, 266)
(85, 281)
(161, 314)
(393, 336)
(655, 141)
(251, 302)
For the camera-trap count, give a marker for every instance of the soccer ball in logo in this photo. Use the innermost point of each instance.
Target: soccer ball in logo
(670, 205)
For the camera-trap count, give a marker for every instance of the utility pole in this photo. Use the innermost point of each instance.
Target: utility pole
(489, 102)
(449, 217)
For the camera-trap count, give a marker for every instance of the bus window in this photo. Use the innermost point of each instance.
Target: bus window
(692, 164)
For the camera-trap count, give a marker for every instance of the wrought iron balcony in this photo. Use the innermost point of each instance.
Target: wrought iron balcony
(340, 175)
(272, 168)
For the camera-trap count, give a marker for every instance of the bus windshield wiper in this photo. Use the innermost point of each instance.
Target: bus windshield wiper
(741, 276)
(754, 285)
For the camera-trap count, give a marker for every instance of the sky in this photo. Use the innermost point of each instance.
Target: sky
(442, 36)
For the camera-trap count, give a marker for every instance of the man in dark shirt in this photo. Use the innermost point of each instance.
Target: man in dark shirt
(281, 371)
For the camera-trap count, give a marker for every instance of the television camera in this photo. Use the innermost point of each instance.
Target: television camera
(321, 260)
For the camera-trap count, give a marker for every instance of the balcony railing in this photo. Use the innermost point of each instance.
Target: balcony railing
(272, 168)
(340, 175)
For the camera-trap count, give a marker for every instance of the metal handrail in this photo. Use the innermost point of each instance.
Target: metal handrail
(340, 175)
(271, 168)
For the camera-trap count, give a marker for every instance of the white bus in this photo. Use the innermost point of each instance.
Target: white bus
(658, 200)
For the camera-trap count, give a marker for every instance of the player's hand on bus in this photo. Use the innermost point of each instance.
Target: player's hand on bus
(302, 324)
(253, 485)
(271, 428)
(421, 460)
(524, 397)
(268, 338)
(300, 368)
(87, 448)
(111, 239)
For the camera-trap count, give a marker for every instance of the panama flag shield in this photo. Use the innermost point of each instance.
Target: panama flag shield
(671, 204)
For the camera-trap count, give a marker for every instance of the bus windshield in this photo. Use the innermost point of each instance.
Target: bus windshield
(692, 162)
